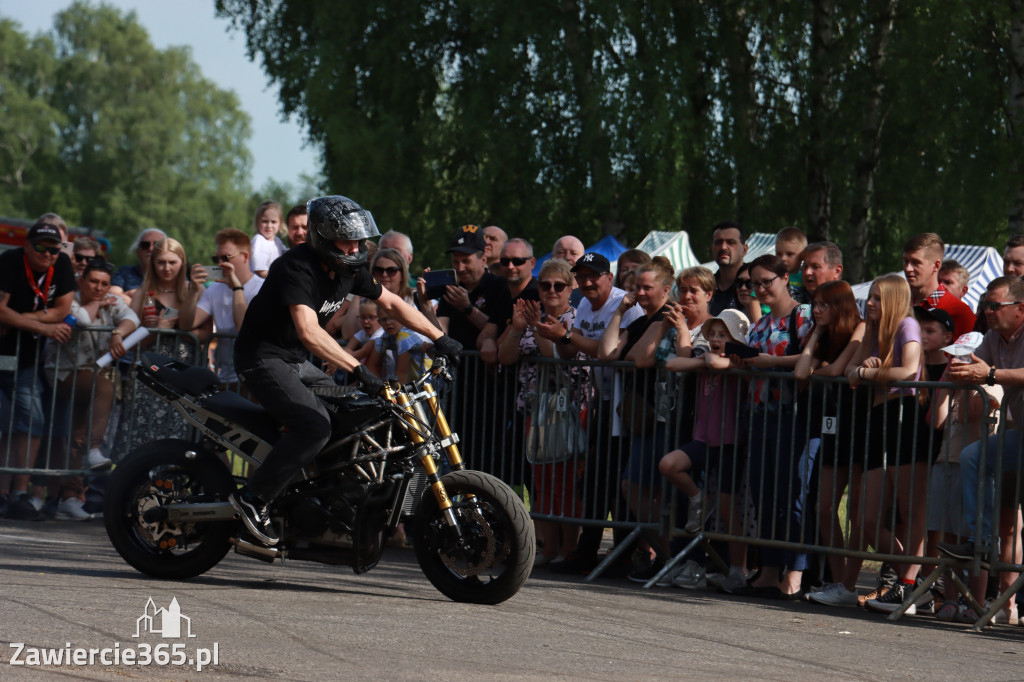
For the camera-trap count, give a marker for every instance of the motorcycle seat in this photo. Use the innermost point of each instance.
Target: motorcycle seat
(245, 413)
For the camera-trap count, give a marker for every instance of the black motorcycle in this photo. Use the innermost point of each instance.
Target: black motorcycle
(167, 514)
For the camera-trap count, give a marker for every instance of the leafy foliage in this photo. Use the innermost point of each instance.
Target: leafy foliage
(598, 116)
(103, 128)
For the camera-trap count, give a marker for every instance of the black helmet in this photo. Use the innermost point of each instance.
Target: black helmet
(337, 217)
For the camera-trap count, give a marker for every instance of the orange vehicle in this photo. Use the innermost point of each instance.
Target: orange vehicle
(14, 230)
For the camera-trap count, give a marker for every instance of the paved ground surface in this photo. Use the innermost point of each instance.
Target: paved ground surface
(62, 583)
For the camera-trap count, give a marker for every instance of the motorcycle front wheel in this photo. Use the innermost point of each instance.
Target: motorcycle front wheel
(492, 557)
(159, 473)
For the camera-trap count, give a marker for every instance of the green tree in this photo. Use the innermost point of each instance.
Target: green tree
(133, 136)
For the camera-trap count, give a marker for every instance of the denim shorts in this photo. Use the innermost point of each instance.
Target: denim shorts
(27, 385)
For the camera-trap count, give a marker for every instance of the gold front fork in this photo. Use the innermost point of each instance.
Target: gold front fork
(426, 459)
(451, 450)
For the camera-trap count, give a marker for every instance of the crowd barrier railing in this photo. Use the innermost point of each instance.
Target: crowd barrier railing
(818, 468)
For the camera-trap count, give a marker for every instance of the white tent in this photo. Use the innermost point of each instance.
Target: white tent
(672, 245)
(983, 262)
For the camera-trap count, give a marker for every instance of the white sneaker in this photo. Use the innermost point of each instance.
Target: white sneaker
(1006, 616)
(834, 594)
(36, 502)
(691, 577)
(98, 461)
(71, 510)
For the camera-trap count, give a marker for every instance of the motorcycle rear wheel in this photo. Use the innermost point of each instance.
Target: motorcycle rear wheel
(164, 549)
(495, 555)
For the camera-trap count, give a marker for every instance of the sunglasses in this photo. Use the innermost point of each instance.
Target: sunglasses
(559, 287)
(512, 261)
(41, 248)
(147, 244)
(389, 271)
(97, 264)
(993, 306)
(744, 283)
(82, 258)
(217, 260)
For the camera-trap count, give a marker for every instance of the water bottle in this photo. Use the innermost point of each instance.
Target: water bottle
(149, 305)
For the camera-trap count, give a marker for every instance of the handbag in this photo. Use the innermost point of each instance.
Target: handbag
(555, 432)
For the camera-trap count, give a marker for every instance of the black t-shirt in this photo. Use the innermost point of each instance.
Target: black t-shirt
(295, 278)
(530, 293)
(492, 296)
(638, 328)
(23, 298)
(723, 300)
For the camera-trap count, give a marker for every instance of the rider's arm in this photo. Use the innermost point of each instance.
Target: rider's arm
(407, 315)
(317, 341)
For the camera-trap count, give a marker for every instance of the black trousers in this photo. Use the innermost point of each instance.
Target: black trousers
(282, 388)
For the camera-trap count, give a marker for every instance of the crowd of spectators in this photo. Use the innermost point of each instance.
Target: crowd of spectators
(767, 453)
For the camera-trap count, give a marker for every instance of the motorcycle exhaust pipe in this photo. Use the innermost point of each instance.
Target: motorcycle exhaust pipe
(267, 554)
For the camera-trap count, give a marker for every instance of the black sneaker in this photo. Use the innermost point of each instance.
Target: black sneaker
(892, 600)
(21, 509)
(642, 575)
(256, 517)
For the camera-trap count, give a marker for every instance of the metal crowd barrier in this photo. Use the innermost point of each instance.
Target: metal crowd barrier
(512, 423)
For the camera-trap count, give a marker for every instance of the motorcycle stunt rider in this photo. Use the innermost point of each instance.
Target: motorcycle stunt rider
(284, 324)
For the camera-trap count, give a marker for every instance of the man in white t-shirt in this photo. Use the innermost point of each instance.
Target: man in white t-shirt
(604, 460)
(225, 300)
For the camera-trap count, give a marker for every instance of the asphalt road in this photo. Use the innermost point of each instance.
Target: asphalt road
(62, 586)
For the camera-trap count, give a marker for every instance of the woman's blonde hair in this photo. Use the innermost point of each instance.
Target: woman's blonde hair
(181, 281)
(704, 278)
(559, 267)
(662, 268)
(895, 301)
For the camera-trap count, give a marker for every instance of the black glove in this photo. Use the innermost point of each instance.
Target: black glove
(446, 346)
(368, 381)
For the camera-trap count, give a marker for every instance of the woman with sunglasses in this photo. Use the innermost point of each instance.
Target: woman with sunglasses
(71, 367)
(776, 440)
(745, 294)
(84, 250)
(554, 484)
(835, 338)
(895, 468)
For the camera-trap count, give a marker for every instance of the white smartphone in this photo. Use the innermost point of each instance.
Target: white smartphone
(214, 272)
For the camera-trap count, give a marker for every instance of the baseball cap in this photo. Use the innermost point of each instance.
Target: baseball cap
(44, 232)
(593, 261)
(468, 239)
(965, 345)
(936, 314)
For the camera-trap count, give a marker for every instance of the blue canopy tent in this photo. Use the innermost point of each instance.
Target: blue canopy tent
(608, 246)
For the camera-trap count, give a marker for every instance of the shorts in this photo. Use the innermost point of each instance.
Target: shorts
(554, 490)
(945, 500)
(27, 386)
(895, 434)
(645, 453)
(723, 460)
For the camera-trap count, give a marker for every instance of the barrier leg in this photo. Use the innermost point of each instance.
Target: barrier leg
(997, 604)
(615, 554)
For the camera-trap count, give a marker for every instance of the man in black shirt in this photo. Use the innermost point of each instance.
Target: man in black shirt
(284, 325)
(37, 285)
(728, 246)
(474, 312)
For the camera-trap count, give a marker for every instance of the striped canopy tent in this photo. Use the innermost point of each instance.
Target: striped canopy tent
(983, 262)
(672, 245)
(608, 246)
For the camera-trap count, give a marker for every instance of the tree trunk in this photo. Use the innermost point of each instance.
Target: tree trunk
(739, 65)
(872, 121)
(1015, 115)
(822, 104)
